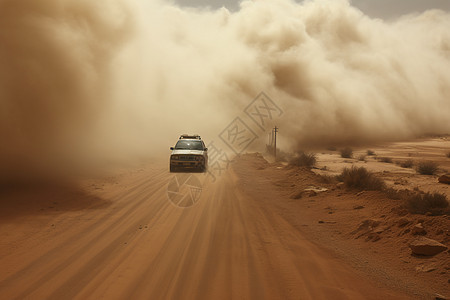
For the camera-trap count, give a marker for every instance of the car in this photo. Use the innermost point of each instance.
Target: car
(189, 153)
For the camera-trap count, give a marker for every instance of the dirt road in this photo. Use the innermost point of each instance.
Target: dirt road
(131, 242)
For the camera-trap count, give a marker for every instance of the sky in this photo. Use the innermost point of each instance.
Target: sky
(384, 9)
(85, 83)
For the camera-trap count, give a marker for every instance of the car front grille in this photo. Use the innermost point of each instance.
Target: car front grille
(187, 157)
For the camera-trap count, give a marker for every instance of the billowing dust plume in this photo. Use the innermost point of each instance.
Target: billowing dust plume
(89, 82)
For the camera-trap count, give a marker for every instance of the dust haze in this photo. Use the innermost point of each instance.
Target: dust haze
(86, 83)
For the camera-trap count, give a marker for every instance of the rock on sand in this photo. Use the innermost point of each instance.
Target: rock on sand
(425, 246)
(445, 179)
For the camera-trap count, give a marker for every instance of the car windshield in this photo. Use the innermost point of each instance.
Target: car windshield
(189, 145)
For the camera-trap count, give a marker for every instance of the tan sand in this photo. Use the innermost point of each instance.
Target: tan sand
(121, 238)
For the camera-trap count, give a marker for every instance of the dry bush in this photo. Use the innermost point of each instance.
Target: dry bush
(386, 160)
(447, 154)
(361, 179)
(303, 159)
(409, 163)
(394, 194)
(436, 203)
(362, 157)
(347, 152)
(283, 156)
(370, 152)
(328, 179)
(427, 167)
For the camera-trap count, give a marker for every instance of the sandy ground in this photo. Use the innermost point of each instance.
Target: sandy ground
(243, 238)
(417, 151)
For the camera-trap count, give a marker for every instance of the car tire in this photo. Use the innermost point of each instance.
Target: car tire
(172, 169)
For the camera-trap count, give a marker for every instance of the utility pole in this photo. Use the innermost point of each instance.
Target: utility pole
(275, 130)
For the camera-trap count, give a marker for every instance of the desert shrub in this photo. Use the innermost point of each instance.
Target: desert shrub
(447, 154)
(347, 152)
(283, 156)
(409, 163)
(328, 179)
(362, 157)
(370, 152)
(429, 202)
(303, 159)
(394, 194)
(361, 179)
(427, 167)
(386, 160)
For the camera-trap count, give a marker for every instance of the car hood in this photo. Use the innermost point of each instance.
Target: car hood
(188, 152)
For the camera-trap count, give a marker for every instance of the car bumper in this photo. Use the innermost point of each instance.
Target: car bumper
(187, 164)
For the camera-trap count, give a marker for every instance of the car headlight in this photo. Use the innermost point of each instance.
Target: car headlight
(199, 158)
(174, 157)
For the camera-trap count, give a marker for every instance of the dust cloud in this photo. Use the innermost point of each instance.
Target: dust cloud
(87, 83)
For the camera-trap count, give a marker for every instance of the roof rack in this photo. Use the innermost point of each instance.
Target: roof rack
(190, 136)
